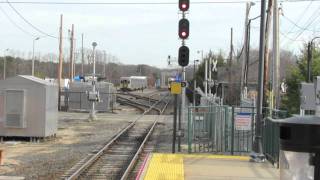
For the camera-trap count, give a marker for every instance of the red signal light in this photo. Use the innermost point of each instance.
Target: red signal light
(183, 28)
(184, 5)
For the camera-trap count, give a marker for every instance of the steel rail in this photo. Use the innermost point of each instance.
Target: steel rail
(88, 163)
(140, 104)
(136, 156)
(131, 104)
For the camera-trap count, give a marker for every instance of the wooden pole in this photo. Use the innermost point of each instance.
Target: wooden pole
(60, 62)
(266, 56)
(71, 53)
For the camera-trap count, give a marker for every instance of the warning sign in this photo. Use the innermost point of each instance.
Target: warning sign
(243, 121)
(175, 88)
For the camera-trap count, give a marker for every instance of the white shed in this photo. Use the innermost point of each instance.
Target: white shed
(28, 107)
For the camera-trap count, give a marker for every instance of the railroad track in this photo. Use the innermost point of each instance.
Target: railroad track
(118, 157)
(139, 105)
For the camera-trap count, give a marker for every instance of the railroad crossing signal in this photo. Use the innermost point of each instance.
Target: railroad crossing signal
(183, 57)
(184, 28)
(184, 5)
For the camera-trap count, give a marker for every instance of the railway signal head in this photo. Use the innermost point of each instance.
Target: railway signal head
(183, 57)
(184, 5)
(184, 28)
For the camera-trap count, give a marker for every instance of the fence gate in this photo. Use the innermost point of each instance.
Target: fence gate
(220, 129)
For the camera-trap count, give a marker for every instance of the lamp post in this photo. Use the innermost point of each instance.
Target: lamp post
(247, 52)
(309, 68)
(5, 64)
(94, 96)
(194, 82)
(34, 40)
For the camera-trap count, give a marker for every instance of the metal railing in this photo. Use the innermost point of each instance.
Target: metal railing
(79, 101)
(214, 129)
(230, 130)
(270, 139)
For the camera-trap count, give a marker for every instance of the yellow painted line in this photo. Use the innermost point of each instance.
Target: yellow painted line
(212, 156)
(165, 167)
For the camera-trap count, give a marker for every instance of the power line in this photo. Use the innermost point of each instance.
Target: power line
(142, 3)
(25, 20)
(291, 39)
(15, 24)
(296, 25)
(302, 14)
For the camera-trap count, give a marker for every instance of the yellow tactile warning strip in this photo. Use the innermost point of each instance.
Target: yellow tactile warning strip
(211, 156)
(170, 166)
(165, 167)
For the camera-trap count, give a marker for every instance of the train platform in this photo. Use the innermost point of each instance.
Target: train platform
(204, 167)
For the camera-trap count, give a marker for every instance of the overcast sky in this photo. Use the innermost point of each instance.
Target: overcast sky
(147, 34)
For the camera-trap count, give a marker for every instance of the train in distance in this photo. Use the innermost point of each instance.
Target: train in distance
(133, 83)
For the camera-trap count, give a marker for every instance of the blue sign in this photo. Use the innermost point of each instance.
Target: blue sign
(178, 78)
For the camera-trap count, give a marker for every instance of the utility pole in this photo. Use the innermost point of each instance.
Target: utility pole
(257, 155)
(276, 56)
(229, 67)
(82, 55)
(4, 66)
(60, 62)
(71, 54)
(206, 77)
(266, 57)
(248, 5)
(5, 63)
(104, 63)
(75, 56)
(246, 66)
(309, 62)
(194, 82)
(210, 73)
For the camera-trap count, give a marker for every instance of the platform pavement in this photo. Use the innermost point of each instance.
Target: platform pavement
(204, 167)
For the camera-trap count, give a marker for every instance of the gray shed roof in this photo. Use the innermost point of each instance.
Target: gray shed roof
(35, 79)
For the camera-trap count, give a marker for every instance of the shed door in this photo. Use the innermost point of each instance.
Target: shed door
(14, 108)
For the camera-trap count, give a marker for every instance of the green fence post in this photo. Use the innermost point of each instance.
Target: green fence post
(189, 131)
(232, 130)
(226, 118)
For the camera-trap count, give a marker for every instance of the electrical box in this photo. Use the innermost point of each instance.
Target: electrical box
(93, 96)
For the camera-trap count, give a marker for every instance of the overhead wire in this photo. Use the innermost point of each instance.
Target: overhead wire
(301, 14)
(144, 3)
(291, 39)
(15, 24)
(309, 22)
(28, 22)
(302, 29)
(296, 25)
